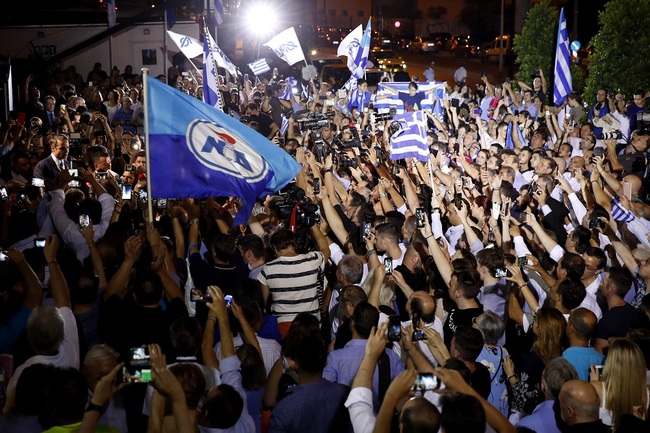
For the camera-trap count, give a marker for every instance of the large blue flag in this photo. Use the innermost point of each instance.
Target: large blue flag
(562, 85)
(198, 151)
(411, 140)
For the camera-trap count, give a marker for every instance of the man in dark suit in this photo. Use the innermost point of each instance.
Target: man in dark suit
(553, 212)
(50, 167)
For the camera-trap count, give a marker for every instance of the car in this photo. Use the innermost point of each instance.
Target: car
(383, 39)
(321, 58)
(424, 45)
(387, 60)
(339, 74)
(493, 52)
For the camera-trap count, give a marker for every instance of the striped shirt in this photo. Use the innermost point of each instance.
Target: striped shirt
(295, 285)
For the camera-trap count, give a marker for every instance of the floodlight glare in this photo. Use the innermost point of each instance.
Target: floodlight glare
(261, 19)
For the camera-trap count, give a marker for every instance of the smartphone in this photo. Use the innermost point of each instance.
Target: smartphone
(197, 296)
(101, 175)
(126, 192)
(342, 93)
(388, 265)
(63, 108)
(458, 201)
(139, 356)
(139, 376)
(3, 256)
(419, 216)
(75, 136)
(245, 77)
(366, 228)
(84, 221)
(90, 83)
(142, 195)
(38, 182)
(595, 223)
(501, 273)
(228, 300)
(506, 209)
(21, 118)
(129, 167)
(161, 203)
(627, 190)
(418, 335)
(426, 382)
(3, 193)
(522, 261)
(394, 328)
(599, 369)
(39, 243)
(73, 172)
(455, 103)
(316, 185)
(395, 169)
(74, 184)
(507, 79)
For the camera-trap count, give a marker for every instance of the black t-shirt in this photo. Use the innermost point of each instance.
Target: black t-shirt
(617, 321)
(416, 281)
(265, 123)
(458, 318)
(480, 380)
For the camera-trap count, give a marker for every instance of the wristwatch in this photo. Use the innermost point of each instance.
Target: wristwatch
(92, 406)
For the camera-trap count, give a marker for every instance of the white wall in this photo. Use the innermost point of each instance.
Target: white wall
(124, 49)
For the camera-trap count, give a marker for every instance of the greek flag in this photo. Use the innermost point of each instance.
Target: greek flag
(510, 143)
(562, 83)
(411, 140)
(361, 58)
(259, 66)
(211, 94)
(218, 11)
(213, 154)
(619, 213)
(392, 100)
(285, 124)
(110, 7)
(287, 94)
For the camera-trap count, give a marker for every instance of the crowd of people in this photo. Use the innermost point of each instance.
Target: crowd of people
(501, 285)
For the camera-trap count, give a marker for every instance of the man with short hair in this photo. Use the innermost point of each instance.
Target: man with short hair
(620, 315)
(493, 292)
(579, 330)
(579, 407)
(268, 127)
(464, 287)
(251, 248)
(315, 404)
(50, 167)
(466, 346)
(342, 364)
(555, 374)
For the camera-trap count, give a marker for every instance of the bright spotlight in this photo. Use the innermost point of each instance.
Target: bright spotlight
(261, 19)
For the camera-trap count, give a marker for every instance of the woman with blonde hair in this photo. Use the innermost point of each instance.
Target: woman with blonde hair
(622, 389)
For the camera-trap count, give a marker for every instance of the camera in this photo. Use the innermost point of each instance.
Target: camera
(501, 273)
(418, 335)
(39, 243)
(228, 299)
(126, 192)
(197, 296)
(101, 175)
(394, 328)
(161, 203)
(141, 376)
(382, 117)
(615, 135)
(596, 223)
(365, 231)
(307, 214)
(84, 221)
(316, 185)
(426, 382)
(388, 265)
(344, 161)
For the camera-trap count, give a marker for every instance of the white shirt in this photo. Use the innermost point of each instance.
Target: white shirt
(360, 406)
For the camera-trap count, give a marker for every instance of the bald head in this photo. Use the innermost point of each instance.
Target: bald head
(422, 304)
(419, 414)
(583, 323)
(579, 402)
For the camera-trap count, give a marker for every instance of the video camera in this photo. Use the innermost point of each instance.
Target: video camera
(382, 117)
(314, 121)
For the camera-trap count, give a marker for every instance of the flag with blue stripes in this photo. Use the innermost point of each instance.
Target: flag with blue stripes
(211, 94)
(285, 124)
(619, 213)
(218, 11)
(198, 151)
(392, 100)
(411, 140)
(562, 85)
(259, 66)
(510, 144)
(287, 93)
(361, 56)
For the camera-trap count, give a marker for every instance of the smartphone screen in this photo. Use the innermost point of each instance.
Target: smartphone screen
(21, 118)
(126, 192)
(84, 221)
(394, 328)
(388, 265)
(426, 382)
(139, 356)
(316, 185)
(419, 215)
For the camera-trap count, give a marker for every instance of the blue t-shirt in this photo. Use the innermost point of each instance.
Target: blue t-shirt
(412, 103)
(11, 328)
(582, 358)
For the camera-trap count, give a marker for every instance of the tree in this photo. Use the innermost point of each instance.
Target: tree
(535, 46)
(621, 49)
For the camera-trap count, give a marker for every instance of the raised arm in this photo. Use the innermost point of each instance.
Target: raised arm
(59, 287)
(118, 283)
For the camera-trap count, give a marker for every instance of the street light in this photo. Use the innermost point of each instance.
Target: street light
(261, 21)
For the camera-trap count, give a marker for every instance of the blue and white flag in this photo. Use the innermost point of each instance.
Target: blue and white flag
(510, 143)
(259, 66)
(219, 56)
(411, 140)
(285, 124)
(211, 94)
(189, 46)
(197, 151)
(619, 213)
(392, 100)
(562, 85)
(287, 93)
(361, 58)
(110, 7)
(349, 46)
(218, 11)
(286, 46)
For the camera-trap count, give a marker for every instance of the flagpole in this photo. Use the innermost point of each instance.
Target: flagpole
(145, 89)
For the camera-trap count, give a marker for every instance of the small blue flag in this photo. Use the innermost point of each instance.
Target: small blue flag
(562, 85)
(218, 11)
(198, 151)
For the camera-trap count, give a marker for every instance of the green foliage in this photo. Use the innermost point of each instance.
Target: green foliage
(578, 78)
(535, 46)
(621, 49)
